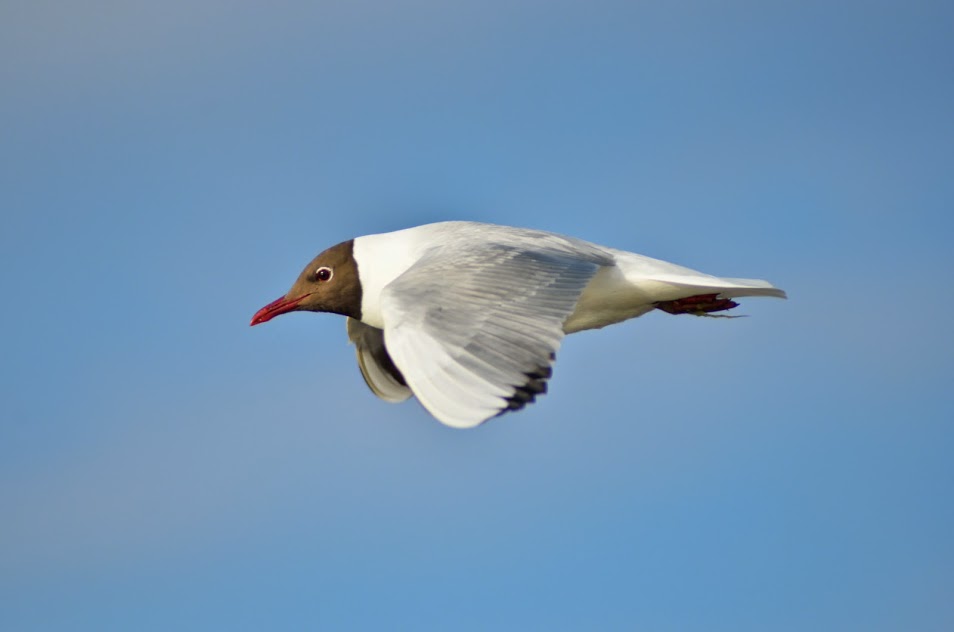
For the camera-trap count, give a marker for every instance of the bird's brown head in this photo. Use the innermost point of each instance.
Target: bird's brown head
(329, 283)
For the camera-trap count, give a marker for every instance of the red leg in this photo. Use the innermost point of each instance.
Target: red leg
(698, 305)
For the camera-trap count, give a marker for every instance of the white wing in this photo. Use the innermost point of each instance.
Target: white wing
(383, 378)
(475, 328)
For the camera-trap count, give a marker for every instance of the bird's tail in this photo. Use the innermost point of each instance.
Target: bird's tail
(679, 290)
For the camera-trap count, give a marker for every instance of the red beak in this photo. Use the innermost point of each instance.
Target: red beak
(276, 308)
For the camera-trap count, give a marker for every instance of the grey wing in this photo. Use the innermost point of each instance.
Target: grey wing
(382, 376)
(474, 330)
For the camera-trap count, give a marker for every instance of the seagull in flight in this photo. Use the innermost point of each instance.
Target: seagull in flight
(468, 317)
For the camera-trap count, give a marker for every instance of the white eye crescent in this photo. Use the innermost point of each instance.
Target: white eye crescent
(324, 274)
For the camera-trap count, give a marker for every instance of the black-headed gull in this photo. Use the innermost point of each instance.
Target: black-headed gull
(468, 317)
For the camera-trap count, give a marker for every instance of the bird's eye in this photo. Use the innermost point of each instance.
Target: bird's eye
(323, 274)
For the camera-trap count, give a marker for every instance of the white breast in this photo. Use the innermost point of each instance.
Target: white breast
(381, 259)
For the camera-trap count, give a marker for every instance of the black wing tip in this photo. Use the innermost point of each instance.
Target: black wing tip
(527, 392)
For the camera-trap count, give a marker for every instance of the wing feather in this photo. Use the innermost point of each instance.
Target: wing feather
(474, 329)
(378, 369)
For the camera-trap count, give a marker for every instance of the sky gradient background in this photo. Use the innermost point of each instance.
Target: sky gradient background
(167, 168)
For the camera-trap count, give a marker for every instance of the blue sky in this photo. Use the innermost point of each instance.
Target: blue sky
(167, 168)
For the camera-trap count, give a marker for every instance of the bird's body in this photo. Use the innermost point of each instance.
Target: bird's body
(468, 316)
